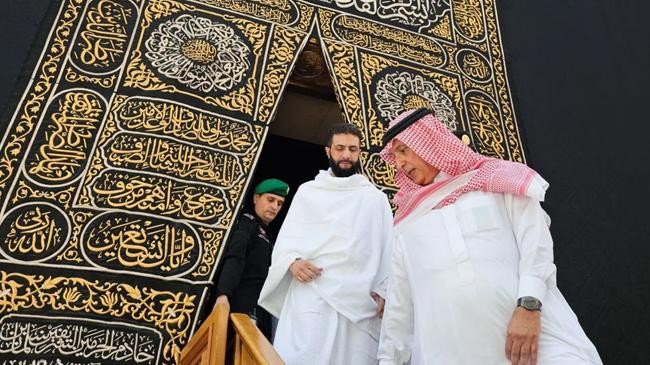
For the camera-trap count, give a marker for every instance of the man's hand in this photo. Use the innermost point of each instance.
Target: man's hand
(523, 336)
(380, 304)
(304, 271)
(222, 299)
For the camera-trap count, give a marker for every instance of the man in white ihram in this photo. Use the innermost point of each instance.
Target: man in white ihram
(472, 274)
(329, 267)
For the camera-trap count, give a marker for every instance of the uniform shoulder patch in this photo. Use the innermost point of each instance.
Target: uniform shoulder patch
(249, 216)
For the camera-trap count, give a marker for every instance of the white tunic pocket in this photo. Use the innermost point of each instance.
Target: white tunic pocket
(478, 214)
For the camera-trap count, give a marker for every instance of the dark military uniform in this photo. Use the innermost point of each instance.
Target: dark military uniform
(245, 265)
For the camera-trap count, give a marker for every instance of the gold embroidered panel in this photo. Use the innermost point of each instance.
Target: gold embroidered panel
(126, 160)
(445, 55)
(123, 167)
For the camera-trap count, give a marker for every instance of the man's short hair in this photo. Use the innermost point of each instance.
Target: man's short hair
(342, 128)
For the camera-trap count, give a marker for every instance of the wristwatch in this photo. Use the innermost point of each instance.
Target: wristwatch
(529, 303)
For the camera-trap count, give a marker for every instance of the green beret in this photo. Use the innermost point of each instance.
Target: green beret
(272, 186)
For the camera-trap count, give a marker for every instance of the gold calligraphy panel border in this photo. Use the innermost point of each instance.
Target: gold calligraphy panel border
(166, 311)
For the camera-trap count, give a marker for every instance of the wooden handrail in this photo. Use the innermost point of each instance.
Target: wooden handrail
(251, 347)
(208, 345)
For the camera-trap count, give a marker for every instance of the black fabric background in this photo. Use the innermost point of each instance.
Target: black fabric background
(579, 74)
(580, 79)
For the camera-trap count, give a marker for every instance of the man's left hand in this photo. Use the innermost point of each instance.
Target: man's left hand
(380, 304)
(523, 336)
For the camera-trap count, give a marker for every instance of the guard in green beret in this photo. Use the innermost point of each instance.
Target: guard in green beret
(247, 257)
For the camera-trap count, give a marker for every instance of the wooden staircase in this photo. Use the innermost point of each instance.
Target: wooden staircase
(208, 345)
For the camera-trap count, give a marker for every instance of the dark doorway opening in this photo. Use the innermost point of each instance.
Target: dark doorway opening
(294, 149)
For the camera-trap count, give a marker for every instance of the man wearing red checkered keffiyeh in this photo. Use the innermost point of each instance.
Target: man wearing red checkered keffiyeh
(472, 258)
(440, 148)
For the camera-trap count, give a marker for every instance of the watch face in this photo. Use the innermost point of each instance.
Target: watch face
(530, 303)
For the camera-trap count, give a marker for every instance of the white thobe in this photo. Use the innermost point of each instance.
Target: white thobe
(456, 273)
(344, 226)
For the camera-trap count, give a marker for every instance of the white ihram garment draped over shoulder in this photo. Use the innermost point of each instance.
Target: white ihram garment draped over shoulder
(344, 226)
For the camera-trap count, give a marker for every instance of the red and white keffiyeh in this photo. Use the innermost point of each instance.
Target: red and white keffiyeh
(438, 146)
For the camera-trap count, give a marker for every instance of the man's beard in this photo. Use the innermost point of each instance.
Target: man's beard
(344, 172)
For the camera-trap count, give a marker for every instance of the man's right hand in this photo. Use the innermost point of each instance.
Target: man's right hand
(304, 271)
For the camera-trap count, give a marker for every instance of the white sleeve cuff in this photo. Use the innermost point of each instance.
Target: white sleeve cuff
(531, 286)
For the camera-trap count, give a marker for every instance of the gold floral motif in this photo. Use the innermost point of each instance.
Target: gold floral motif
(306, 14)
(325, 20)
(481, 46)
(451, 65)
(42, 86)
(370, 66)
(241, 100)
(71, 252)
(24, 191)
(139, 76)
(254, 32)
(283, 51)
(442, 29)
(212, 243)
(106, 82)
(472, 85)
(503, 91)
(96, 166)
(171, 312)
(158, 9)
(343, 59)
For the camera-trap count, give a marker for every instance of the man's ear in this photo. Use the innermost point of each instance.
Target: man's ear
(327, 152)
(255, 197)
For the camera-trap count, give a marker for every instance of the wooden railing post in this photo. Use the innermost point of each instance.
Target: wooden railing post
(208, 345)
(251, 347)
